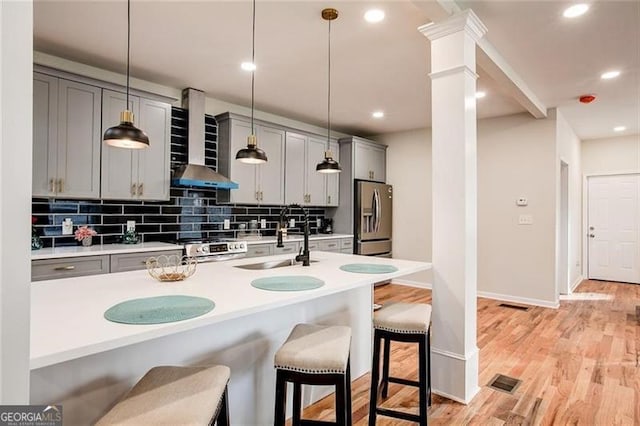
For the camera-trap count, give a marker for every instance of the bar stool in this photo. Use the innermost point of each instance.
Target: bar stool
(170, 395)
(401, 322)
(314, 355)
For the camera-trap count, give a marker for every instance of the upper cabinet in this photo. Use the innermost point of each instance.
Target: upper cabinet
(369, 160)
(304, 185)
(137, 174)
(66, 138)
(333, 179)
(257, 184)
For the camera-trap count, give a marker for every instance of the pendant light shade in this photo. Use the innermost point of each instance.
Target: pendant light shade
(329, 165)
(252, 154)
(125, 134)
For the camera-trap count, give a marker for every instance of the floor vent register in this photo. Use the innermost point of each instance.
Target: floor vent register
(504, 383)
(510, 306)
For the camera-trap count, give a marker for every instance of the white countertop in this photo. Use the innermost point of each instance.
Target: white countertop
(97, 250)
(297, 237)
(67, 314)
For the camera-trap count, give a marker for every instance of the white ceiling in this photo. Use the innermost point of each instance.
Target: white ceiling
(374, 66)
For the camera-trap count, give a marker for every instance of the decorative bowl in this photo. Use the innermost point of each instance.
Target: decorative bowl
(171, 268)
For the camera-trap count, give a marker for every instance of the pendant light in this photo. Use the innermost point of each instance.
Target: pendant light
(125, 134)
(329, 165)
(252, 154)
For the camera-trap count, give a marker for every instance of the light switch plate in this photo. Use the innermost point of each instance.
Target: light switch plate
(525, 219)
(263, 223)
(318, 222)
(226, 224)
(292, 223)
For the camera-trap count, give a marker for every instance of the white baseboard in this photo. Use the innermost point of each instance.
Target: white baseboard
(451, 397)
(577, 283)
(411, 283)
(517, 299)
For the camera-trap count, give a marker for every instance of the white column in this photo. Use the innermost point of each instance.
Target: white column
(453, 104)
(16, 100)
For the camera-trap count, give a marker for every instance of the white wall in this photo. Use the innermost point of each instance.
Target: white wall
(611, 155)
(409, 171)
(16, 100)
(516, 158)
(569, 151)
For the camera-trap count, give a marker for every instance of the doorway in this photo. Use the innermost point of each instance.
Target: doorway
(613, 226)
(563, 277)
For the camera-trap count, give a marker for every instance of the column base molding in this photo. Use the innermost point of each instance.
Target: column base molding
(449, 371)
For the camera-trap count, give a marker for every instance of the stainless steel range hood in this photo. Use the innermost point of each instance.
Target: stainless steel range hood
(195, 173)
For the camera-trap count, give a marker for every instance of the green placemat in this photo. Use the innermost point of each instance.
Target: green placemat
(159, 310)
(368, 268)
(288, 283)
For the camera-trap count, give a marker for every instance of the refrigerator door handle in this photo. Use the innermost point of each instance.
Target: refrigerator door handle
(376, 198)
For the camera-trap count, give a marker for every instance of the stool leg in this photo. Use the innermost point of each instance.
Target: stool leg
(223, 415)
(429, 364)
(422, 380)
(375, 378)
(297, 403)
(348, 392)
(341, 400)
(385, 367)
(281, 399)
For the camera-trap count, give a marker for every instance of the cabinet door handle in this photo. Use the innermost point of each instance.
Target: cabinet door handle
(309, 198)
(133, 189)
(332, 245)
(60, 185)
(140, 189)
(65, 268)
(52, 185)
(256, 196)
(328, 199)
(261, 195)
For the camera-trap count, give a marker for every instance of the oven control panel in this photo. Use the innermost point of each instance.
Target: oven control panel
(213, 249)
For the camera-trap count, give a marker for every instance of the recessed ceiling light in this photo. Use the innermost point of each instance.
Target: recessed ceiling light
(610, 74)
(248, 66)
(374, 15)
(575, 10)
(377, 114)
(480, 94)
(619, 129)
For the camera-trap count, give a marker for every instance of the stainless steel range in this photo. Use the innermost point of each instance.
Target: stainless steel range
(215, 251)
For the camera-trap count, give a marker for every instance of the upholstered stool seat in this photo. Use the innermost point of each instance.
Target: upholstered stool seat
(170, 395)
(314, 355)
(402, 322)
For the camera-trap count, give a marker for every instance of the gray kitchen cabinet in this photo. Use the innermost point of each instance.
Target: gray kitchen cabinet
(346, 244)
(258, 184)
(304, 185)
(136, 261)
(66, 138)
(288, 247)
(139, 174)
(332, 180)
(329, 245)
(257, 250)
(369, 160)
(49, 269)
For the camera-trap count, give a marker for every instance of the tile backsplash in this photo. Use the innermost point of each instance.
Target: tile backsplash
(189, 213)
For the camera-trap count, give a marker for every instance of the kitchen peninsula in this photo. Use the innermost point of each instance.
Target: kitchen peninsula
(87, 363)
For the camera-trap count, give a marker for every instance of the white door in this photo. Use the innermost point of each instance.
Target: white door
(614, 228)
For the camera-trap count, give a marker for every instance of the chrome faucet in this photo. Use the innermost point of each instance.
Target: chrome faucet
(303, 255)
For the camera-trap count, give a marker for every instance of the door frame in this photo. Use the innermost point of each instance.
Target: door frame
(563, 284)
(585, 213)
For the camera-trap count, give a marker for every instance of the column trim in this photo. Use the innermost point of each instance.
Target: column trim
(460, 357)
(455, 70)
(466, 20)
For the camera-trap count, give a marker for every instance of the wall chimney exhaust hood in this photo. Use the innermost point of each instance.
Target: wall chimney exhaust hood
(195, 173)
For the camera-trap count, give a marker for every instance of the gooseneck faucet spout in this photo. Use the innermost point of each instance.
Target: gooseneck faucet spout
(303, 256)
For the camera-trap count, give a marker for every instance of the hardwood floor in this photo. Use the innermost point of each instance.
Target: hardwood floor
(580, 364)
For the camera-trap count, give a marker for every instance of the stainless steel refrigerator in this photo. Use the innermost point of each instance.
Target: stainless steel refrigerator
(373, 206)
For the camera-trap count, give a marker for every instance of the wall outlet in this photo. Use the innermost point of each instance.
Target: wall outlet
(263, 223)
(131, 225)
(525, 219)
(318, 222)
(292, 223)
(226, 224)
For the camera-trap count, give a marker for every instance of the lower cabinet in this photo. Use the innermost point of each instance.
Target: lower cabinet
(136, 261)
(50, 269)
(256, 250)
(289, 247)
(335, 245)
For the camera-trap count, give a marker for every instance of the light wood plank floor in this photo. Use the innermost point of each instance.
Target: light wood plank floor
(580, 364)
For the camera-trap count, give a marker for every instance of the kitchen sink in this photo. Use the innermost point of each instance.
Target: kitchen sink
(271, 264)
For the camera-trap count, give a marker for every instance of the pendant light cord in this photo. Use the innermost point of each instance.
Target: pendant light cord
(128, 47)
(329, 93)
(253, 61)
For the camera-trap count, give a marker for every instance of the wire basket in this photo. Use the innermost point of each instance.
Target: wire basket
(171, 268)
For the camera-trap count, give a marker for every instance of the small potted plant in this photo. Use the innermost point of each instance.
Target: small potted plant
(36, 242)
(85, 234)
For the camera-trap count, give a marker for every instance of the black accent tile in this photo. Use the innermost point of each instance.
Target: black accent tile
(112, 239)
(246, 218)
(193, 219)
(55, 207)
(161, 219)
(177, 210)
(109, 229)
(142, 209)
(101, 208)
(147, 228)
(65, 241)
(260, 211)
(176, 227)
(120, 219)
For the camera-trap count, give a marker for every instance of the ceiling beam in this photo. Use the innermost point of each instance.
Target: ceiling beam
(490, 60)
